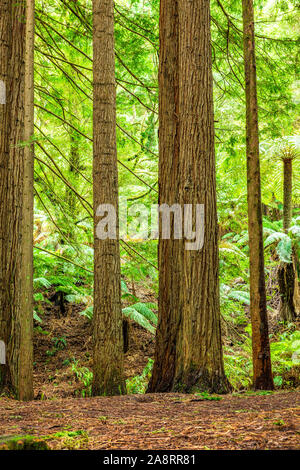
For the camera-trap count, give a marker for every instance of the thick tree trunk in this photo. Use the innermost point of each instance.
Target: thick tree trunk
(169, 251)
(262, 370)
(199, 356)
(189, 346)
(16, 196)
(107, 321)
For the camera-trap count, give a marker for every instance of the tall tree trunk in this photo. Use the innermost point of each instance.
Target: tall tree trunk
(169, 251)
(288, 289)
(199, 356)
(107, 321)
(287, 272)
(16, 196)
(74, 161)
(189, 346)
(287, 192)
(262, 370)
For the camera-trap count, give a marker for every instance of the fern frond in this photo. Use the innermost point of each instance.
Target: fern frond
(138, 318)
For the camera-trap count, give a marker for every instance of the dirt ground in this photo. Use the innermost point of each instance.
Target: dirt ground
(159, 421)
(60, 415)
(64, 339)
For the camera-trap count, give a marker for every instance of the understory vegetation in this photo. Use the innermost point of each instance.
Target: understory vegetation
(63, 224)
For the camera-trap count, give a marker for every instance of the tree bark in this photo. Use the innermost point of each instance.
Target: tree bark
(189, 346)
(169, 251)
(287, 192)
(287, 272)
(16, 196)
(107, 321)
(288, 289)
(262, 370)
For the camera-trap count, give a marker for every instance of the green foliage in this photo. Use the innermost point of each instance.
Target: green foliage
(84, 376)
(238, 367)
(139, 312)
(63, 151)
(207, 396)
(60, 343)
(285, 242)
(285, 355)
(139, 383)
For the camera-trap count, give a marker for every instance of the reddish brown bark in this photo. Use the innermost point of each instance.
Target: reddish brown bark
(189, 347)
(262, 370)
(107, 321)
(169, 251)
(16, 196)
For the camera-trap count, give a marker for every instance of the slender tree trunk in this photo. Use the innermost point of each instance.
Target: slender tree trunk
(262, 370)
(287, 272)
(16, 196)
(107, 320)
(74, 165)
(189, 346)
(288, 289)
(287, 192)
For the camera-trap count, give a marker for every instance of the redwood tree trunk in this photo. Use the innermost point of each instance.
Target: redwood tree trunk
(189, 346)
(262, 370)
(107, 321)
(16, 196)
(169, 251)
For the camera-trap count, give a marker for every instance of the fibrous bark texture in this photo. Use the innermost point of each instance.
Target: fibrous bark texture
(287, 192)
(262, 370)
(107, 321)
(16, 196)
(189, 346)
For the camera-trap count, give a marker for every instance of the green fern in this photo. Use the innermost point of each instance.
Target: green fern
(284, 250)
(139, 312)
(275, 237)
(139, 318)
(145, 310)
(240, 296)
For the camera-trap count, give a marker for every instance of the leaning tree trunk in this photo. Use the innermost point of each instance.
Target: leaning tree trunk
(287, 272)
(262, 370)
(189, 346)
(16, 196)
(107, 321)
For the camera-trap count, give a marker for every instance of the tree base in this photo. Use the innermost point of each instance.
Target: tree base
(193, 381)
(202, 381)
(287, 280)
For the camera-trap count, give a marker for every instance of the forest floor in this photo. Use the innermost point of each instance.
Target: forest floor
(60, 414)
(159, 421)
(63, 348)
